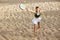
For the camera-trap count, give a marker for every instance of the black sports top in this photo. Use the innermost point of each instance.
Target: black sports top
(37, 15)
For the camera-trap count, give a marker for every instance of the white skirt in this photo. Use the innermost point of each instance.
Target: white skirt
(36, 20)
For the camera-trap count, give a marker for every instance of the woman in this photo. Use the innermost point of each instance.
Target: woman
(37, 19)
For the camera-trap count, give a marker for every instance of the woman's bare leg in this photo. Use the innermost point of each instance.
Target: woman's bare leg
(35, 28)
(38, 25)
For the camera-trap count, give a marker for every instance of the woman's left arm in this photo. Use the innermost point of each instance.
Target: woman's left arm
(41, 12)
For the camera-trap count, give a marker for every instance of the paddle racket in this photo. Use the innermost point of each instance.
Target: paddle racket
(22, 6)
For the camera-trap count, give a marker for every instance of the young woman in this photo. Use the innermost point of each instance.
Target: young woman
(37, 19)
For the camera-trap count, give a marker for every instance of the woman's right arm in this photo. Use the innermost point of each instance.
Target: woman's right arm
(30, 10)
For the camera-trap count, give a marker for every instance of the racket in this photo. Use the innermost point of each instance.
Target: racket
(22, 6)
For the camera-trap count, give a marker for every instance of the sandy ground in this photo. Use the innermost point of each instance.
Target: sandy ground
(27, 1)
(16, 24)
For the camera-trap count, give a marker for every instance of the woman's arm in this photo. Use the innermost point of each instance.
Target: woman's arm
(30, 10)
(41, 12)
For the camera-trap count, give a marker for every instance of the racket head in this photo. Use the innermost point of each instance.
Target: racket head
(22, 6)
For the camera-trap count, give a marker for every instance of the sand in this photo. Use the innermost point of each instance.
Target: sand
(16, 24)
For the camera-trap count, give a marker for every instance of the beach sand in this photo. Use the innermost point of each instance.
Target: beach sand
(16, 24)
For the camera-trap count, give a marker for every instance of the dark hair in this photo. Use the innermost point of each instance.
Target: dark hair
(37, 7)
